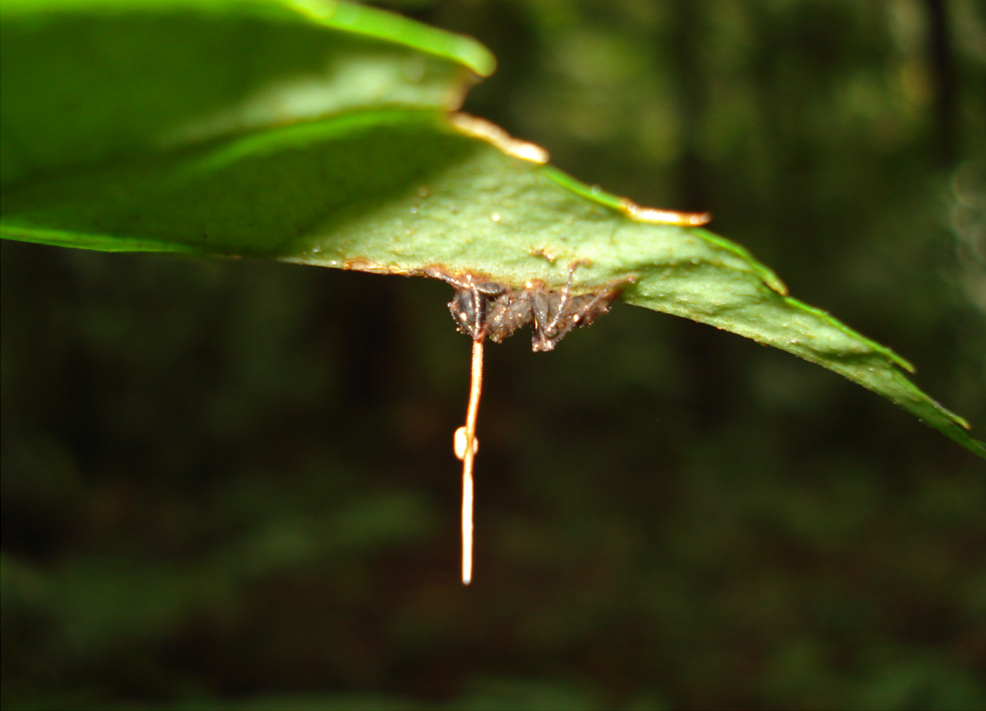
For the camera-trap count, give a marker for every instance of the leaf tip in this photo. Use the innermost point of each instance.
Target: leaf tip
(664, 217)
(491, 133)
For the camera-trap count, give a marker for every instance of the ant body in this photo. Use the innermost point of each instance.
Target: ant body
(487, 308)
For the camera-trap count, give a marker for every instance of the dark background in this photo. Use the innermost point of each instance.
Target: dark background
(232, 482)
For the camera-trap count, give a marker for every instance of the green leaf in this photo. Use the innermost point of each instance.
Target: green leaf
(85, 81)
(390, 185)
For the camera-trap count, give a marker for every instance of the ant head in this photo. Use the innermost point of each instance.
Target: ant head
(468, 309)
(470, 303)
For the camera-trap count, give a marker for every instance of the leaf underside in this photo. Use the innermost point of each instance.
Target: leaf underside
(331, 174)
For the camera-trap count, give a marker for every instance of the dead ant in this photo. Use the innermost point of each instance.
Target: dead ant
(484, 308)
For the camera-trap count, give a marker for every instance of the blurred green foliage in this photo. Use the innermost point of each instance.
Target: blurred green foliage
(233, 483)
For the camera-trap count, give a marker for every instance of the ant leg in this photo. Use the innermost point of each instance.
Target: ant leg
(541, 327)
(551, 324)
(563, 301)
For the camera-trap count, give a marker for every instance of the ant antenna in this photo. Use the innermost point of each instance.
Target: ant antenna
(466, 445)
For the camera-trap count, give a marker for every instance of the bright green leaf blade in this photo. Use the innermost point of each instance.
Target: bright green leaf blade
(398, 191)
(86, 82)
